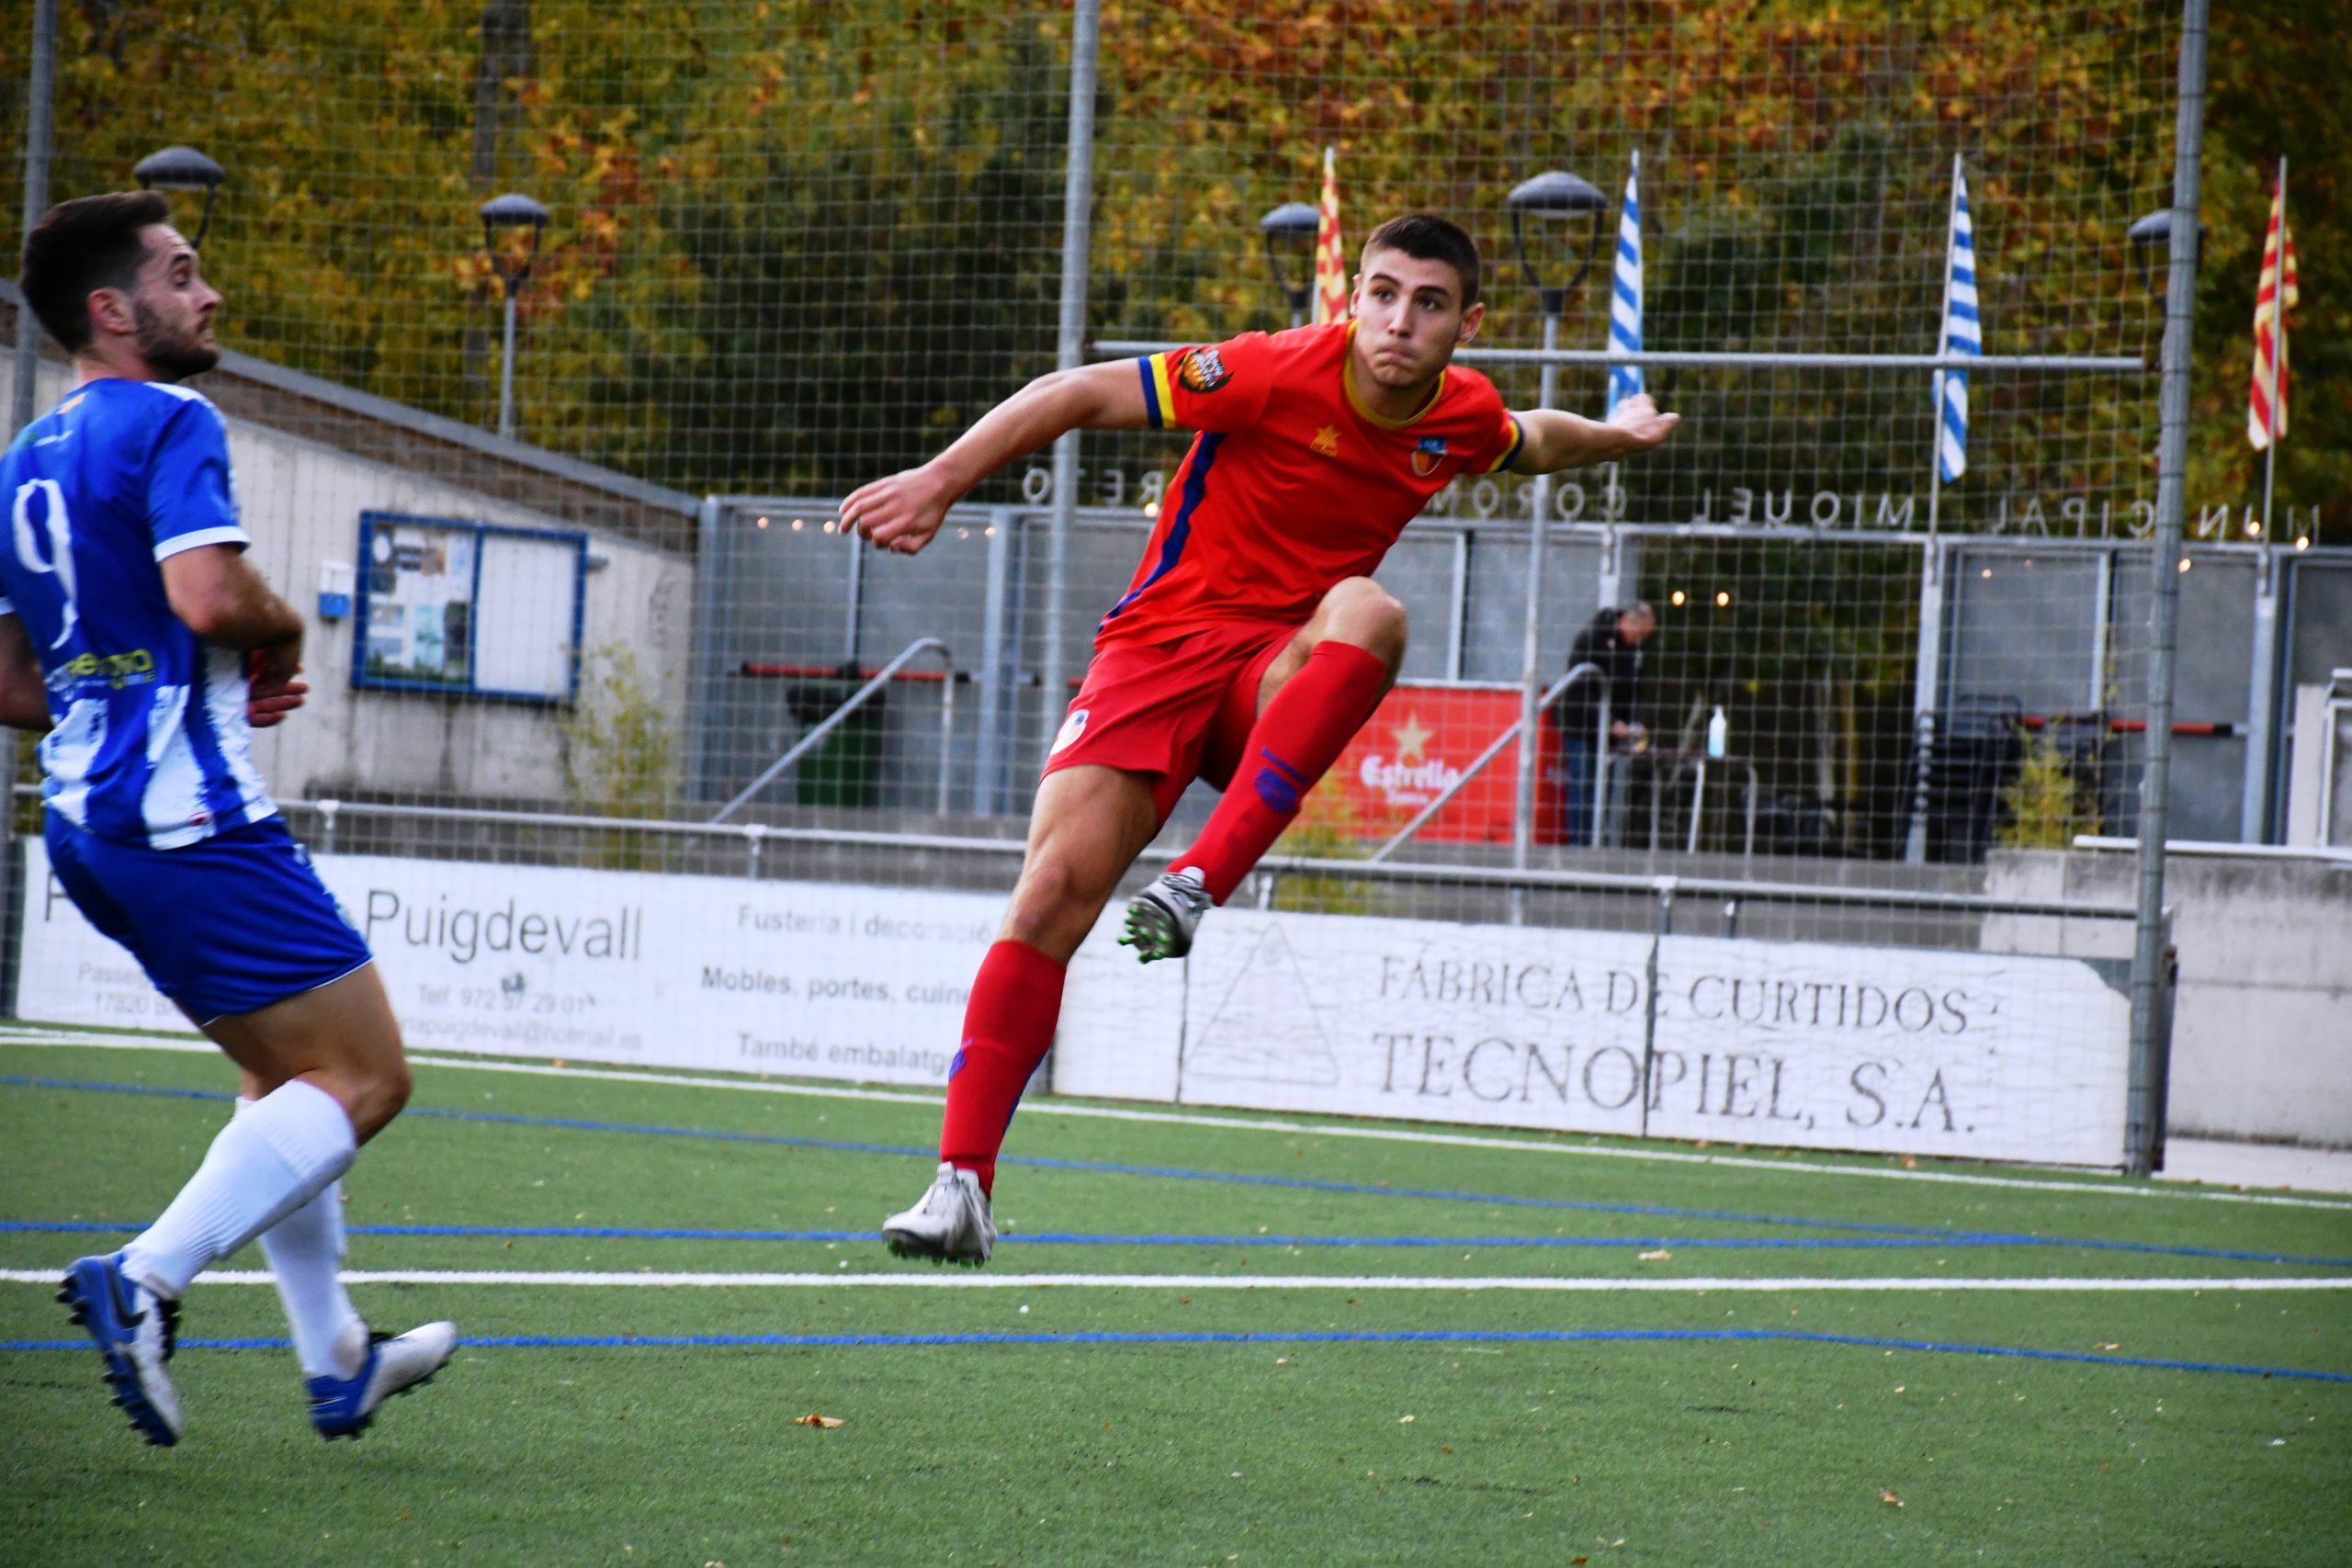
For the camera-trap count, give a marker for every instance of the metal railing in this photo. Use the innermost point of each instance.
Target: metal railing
(1698, 798)
(1566, 881)
(1761, 359)
(1494, 749)
(826, 726)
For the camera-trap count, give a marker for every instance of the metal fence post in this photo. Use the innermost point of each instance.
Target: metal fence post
(2262, 700)
(1665, 886)
(1531, 672)
(703, 641)
(996, 670)
(2144, 1099)
(1929, 676)
(1078, 204)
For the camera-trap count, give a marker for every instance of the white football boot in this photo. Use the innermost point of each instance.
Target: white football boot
(950, 1225)
(1162, 917)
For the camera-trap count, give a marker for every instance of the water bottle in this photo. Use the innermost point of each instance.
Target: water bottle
(1718, 731)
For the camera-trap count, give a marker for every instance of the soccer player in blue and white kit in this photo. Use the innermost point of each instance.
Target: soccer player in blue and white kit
(134, 631)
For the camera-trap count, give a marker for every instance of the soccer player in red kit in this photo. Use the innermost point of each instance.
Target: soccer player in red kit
(1251, 647)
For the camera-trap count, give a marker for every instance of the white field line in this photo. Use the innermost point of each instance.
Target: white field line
(976, 1282)
(1314, 1129)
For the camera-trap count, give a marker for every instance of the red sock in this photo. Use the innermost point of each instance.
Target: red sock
(1293, 744)
(1008, 1024)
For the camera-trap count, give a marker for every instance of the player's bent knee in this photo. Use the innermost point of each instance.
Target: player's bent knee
(376, 1095)
(1054, 905)
(1361, 612)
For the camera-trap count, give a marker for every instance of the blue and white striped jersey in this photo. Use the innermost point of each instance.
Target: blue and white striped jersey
(151, 742)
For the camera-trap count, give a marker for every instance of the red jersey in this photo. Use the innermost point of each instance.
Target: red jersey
(1293, 484)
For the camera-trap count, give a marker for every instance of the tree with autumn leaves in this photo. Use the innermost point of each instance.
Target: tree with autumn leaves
(798, 243)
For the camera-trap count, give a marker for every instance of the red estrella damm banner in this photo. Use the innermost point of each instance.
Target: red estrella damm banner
(1420, 741)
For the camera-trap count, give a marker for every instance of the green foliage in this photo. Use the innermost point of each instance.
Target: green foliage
(621, 754)
(797, 245)
(2046, 805)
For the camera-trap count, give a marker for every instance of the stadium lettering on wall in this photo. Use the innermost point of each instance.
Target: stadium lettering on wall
(2020, 513)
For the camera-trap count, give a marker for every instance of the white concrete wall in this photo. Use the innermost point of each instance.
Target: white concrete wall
(2262, 1027)
(301, 504)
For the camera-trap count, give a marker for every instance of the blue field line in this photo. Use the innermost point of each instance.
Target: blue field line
(1276, 1336)
(929, 1154)
(1083, 1238)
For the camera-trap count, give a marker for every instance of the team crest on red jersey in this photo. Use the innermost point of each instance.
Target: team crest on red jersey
(1203, 370)
(1427, 455)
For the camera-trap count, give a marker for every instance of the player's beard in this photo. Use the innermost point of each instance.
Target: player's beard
(172, 356)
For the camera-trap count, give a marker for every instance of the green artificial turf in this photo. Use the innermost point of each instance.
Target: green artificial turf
(1282, 1449)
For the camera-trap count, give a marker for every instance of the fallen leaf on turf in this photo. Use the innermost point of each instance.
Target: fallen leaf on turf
(813, 1419)
(1576, 1561)
(1660, 1256)
(1890, 1500)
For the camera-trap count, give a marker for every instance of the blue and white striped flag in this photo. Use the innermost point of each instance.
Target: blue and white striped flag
(1626, 306)
(1961, 334)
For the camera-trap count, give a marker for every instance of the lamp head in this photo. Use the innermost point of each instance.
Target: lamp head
(1554, 195)
(1285, 227)
(512, 210)
(183, 168)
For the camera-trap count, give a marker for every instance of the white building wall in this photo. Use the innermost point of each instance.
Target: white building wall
(301, 502)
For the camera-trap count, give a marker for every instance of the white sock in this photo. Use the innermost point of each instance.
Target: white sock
(306, 1252)
(264, 1164)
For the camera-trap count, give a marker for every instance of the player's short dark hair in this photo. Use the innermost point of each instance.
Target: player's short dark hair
(92, 242)
(1425, 236)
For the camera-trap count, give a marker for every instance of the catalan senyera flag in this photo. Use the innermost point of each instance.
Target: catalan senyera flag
(2271, 301)
(1330, 260)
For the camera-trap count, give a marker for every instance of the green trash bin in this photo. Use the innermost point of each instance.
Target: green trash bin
(845, 767)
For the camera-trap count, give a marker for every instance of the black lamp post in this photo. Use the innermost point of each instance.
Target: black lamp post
(1554, 195)
(183, 168)
(1285, 229)
(510, 212)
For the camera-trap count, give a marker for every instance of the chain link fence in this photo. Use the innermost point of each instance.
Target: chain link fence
(557, 480)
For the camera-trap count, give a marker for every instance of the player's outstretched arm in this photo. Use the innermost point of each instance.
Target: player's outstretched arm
(24, 700)
(903, 511)
(1557, 439)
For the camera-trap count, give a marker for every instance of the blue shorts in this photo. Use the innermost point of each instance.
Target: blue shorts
(223, 926)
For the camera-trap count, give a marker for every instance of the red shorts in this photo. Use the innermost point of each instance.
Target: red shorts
(1177, 710)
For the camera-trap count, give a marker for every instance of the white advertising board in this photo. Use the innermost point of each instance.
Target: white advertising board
(1895, 1050)
(1898, 1050)
(806, 979)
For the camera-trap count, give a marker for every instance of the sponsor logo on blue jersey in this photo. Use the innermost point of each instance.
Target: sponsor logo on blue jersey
(150, 741)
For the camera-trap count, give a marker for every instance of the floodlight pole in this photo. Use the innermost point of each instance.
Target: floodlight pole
(1069, 352)
(1555, 192)
(41, 91)
(2151, 1046)
(1531, 670)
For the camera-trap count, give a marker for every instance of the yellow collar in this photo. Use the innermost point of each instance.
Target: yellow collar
(1364, 410)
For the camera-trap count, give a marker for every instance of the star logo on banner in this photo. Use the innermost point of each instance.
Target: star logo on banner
(1326, 441)
(1412, 741)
